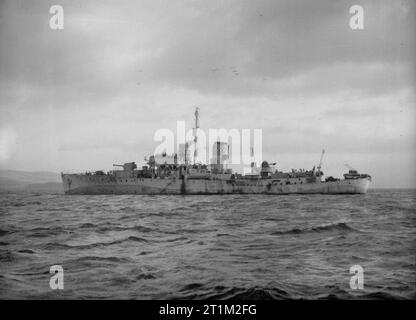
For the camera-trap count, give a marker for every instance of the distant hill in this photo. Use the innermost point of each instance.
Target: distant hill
(30, 182)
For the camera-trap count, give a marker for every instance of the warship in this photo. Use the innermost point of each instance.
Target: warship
(170, 174)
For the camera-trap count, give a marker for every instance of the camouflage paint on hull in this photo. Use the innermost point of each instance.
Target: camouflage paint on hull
(105, 184)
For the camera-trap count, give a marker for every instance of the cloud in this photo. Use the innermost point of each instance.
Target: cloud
(96, 91)
(249, 49)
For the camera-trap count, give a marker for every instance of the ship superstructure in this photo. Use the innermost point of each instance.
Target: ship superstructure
(165, 174)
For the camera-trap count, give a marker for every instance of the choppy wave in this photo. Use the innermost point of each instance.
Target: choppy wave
(197, 291)
(219, 247)
(99, 259)
(133, 228)
(55, 245)
(338, 226)
(4, 232)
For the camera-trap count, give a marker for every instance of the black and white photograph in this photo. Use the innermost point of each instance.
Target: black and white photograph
(207, 150)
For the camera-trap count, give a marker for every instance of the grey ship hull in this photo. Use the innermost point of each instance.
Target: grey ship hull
(107, 184)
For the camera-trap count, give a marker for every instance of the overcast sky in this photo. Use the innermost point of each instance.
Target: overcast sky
(95, 92)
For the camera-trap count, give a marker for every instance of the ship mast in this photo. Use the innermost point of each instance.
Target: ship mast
(320, 161)
(196, 134)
